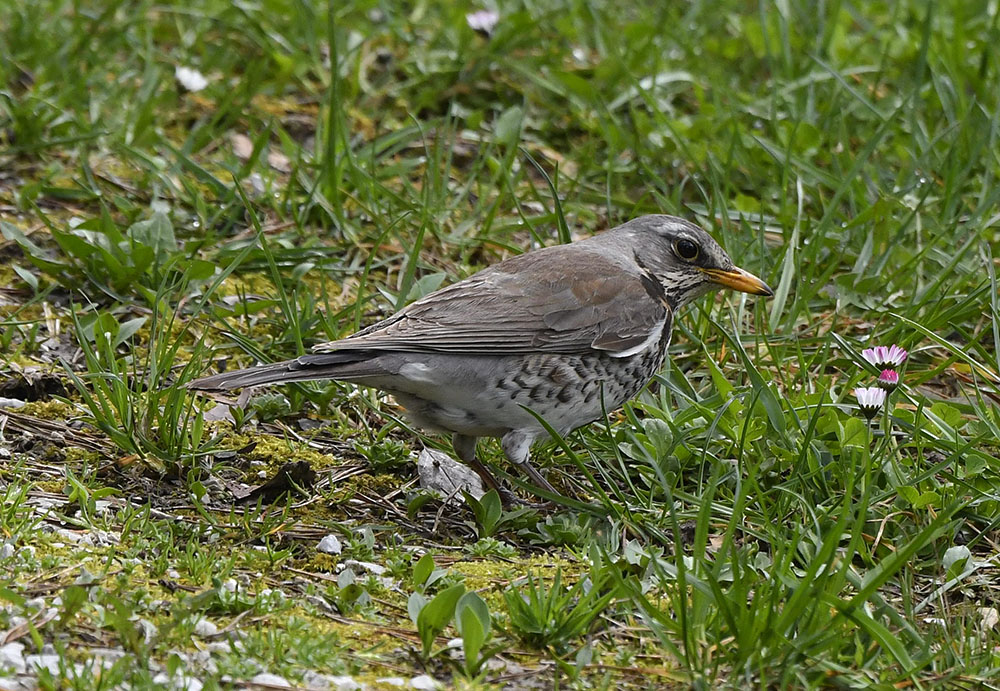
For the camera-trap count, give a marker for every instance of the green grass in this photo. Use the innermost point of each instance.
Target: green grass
(739, 524)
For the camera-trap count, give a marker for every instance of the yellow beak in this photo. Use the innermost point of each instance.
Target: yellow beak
(738, 279)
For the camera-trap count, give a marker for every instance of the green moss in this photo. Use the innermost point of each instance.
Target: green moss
(49, 410)
(76, 454)
(9, 277)
(27, 313)
(53, 486)
(251, 283)
(490, 578)
(275, 452)
(372, 484)
(319, 563)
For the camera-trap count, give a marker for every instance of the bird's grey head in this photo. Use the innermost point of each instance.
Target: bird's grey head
(680, 261)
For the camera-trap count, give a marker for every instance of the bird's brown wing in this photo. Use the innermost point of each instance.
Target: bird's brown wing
(526, 304)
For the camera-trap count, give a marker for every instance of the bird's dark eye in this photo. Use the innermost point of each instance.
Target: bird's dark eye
(686, 250)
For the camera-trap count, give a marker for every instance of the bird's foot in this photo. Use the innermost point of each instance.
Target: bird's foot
(511, 501)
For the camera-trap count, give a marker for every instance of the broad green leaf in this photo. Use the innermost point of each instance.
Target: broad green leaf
(854, 433)
(422, 570)
(508, 126)
(436, 614)
(128, 329)
(425, 285)
(471, 601)
(156, 232)
(26, 276)
(473, 637)
(414, 605)
(200, 270)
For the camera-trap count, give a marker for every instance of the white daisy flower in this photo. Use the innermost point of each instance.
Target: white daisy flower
(483, 21)
(190, 79)
(870, 400)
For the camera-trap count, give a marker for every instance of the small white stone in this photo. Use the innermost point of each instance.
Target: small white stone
(6, 550)
(35, 603)
(343, 683)
(107, 654)
(205, 628)
(425, 682)
(330, 545)
(391, 681)
(376, 569)
(270, 680)
(230, 585)
(990, 618)
(181, 683)
(100, 538)
(274, 597)
(12, 657)
(257, 183)
(319, 603)
(314, 680)
(69, 535)
(218, 647)
(46, 661)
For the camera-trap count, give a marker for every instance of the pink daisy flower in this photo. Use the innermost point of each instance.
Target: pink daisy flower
(882, 356)
(888, 380)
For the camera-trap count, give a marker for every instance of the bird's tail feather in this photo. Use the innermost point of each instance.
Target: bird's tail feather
(344, 365)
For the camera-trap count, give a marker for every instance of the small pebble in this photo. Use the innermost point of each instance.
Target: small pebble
(425, 682)
(376, 569)
(69, 535)
(270, 680)
(343, 683)
(12, 657)
(46, 661)
(330, 545)
(205, 628)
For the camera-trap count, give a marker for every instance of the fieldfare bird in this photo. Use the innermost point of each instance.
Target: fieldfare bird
(563, 333)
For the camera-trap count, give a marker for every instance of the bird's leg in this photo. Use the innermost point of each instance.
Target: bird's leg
(516, 447)
(465, 447)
